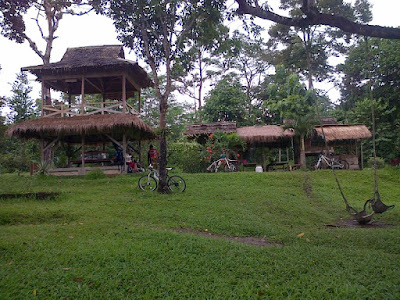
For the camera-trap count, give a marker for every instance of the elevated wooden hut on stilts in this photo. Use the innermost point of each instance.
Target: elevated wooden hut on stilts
(101, 70)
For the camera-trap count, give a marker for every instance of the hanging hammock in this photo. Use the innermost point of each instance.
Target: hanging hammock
(375, 202)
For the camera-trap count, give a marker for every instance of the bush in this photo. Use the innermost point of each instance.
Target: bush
(95, 174)
(380, 163)
(187, 156)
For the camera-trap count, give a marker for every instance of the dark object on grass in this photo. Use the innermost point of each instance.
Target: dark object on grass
(37, 196)
(377, 205)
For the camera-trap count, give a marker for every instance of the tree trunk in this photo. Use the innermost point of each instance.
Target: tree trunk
(163, 187)
(302, 152)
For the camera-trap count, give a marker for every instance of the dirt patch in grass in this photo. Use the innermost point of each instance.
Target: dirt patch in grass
(37, 196)
(35, 218)
(351, 223)
(307, 186)
(249, 240)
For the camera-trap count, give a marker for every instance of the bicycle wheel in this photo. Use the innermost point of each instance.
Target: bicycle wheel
(212, 168)
(313, 165)
(147, 183)
(345, 164)
(176, 184)
(230, 168)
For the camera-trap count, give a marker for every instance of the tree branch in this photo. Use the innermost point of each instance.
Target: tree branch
(313, 17)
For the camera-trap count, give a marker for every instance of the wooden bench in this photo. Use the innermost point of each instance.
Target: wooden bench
(284, 165)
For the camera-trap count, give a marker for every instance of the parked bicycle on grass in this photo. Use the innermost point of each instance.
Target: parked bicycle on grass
(229, 165)
(325, 162)
(149, 182)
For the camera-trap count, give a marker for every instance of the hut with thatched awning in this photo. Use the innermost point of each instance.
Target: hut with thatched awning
(268, 134)
(101, 70)
(340, 136)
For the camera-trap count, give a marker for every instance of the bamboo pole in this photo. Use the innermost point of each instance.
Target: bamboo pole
(124, 168)
(123, 94)
(83, 95)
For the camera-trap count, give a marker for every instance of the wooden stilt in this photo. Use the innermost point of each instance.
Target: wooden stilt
(123, 94)
(124, 168)
(83, 155)
(83, 95)
(362, 155)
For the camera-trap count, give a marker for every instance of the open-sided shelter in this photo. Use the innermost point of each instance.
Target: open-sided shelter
(82, 71)
(347, 137)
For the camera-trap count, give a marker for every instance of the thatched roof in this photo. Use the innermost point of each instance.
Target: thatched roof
(343, 132)
(201, 129)
(89, 61)
(92, 126)
(264, 134)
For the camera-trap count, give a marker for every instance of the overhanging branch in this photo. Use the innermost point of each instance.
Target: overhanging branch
(313, 17)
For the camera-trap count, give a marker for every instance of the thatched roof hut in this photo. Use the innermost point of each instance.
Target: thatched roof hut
(338, 132)
(95, 62)
(93, 127)
(204, 129)
(265, 134)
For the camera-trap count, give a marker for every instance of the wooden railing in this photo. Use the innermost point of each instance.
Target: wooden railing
(64, 110)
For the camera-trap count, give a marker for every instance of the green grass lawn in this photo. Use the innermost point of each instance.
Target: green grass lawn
(106, 239)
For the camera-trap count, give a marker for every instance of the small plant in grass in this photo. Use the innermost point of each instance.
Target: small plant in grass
(380, 163)
(95, 174)
(42, 168)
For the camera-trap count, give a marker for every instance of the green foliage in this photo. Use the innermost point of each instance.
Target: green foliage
(42, 167)
(22, 106)
(95, 174)
(380, 162)
(307, 50)
(220, 143)
(16, 155)
(378, 60)
(226, 102)
(386, 139)
(187, 156)
(108, 240)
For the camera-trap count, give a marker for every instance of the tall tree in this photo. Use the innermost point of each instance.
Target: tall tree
(159, 31)
(200, 60)
(227, 102)
(249, 58)
(22, 106)
(374, 62)
(311, 15)
(47, 15)
(307, 49)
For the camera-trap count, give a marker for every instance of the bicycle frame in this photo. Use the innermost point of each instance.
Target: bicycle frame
(151, 181)
(229, 163)
(331, 163)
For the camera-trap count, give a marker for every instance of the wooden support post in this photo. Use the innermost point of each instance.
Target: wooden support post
(83, 95)
(123, 94)
(362, 155)
(102, 103)
(124, 145)
(291, 140)
(42, 147)
(279, 155)
(83, 155)
(139, 101)
(140, 152)
(43, 100)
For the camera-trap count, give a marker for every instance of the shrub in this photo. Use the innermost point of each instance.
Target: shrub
(187, 156)
(95, 174)
(380, 163)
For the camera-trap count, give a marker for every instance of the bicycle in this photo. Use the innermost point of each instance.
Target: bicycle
(325, 162)
(230, 165)
(149, 182)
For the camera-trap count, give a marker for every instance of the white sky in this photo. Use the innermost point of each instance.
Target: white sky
(93, 30)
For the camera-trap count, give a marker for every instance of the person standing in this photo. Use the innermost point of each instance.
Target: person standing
(152, 155)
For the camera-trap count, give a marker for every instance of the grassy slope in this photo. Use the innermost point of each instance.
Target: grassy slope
(105, 239)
